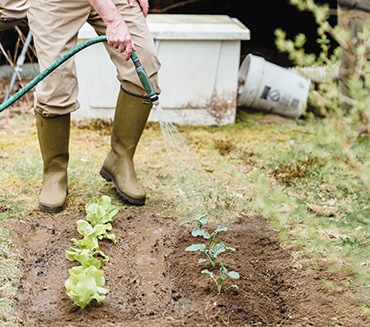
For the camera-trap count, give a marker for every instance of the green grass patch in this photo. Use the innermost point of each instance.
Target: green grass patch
(263, 164)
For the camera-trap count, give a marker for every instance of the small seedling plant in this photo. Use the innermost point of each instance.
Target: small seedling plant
(86, 281)
(224, 274)
(216, 247)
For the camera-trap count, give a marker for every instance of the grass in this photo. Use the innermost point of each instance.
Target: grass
(262, 164)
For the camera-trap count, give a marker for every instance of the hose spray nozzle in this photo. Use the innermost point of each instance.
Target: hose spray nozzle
(154, 98)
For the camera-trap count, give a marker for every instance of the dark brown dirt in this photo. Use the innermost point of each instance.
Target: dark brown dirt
(153, 281)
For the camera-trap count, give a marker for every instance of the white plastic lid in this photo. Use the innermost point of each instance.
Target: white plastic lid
(196, 27)
(187, 27)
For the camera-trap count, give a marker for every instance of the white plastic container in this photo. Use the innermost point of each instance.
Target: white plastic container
(272, 88)
(200, 57)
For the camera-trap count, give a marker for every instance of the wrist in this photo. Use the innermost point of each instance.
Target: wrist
(113, 19)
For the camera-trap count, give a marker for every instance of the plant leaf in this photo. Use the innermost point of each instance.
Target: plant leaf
(93, 262)
(76, 271)
(234, 286)
(196, 247)
(219, 284)
(111, 237)
(221, 229)
(223, 270)
(198, 232)
(99, 277)
(202, 260)
(101, 229)
(200, 220)
(95, 214)
(71, 253)
(186, 223)
(102, 290)
(105, 201)
(84, 255)
(111, 210)
(209, 273)
(103, 255)
(89, 242)
(233, 274)
(84, 228)
(217, 249)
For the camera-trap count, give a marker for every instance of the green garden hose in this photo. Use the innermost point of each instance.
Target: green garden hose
(103, 38)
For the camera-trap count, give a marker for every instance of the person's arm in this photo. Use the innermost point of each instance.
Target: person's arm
(118, 34)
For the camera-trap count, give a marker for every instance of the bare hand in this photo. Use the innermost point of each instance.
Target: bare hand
(143, 4)
(119, 37)
(117, 32)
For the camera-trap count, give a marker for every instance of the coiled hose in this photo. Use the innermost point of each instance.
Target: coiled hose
(103, 38)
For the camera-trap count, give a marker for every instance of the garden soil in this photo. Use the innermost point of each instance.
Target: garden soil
(154, 282)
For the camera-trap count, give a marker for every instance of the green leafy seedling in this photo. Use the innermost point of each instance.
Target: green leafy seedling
(224, 274)
(215, 247)
(200, 220)
(92, 235)
(101, 211)
(99, 230)
(84, 257)
(85, 285)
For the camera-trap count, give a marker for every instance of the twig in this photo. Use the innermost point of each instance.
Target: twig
(8, 59)
(23, 38)
(20, 33)
(6, 55)
(179, 4)
(7, 113)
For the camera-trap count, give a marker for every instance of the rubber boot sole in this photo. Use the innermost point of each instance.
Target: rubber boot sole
(110, 178)
(52, 209)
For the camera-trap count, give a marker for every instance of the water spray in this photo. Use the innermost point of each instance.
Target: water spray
(103, 38)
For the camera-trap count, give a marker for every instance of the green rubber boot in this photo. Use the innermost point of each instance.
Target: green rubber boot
(53, 134)
(129, 121)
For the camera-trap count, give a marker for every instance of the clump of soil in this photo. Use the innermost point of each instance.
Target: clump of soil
(154, 281)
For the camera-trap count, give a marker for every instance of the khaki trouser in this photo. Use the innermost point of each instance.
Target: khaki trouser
(55, 24)
(13, 9)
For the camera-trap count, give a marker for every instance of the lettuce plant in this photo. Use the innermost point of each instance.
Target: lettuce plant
(98, 231)
(86, 281)
(101, 211)
(83, 285)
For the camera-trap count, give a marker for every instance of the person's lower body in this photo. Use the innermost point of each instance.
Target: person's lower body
(55, 33)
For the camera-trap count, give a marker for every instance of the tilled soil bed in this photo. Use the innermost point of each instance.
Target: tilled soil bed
(153, 281)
